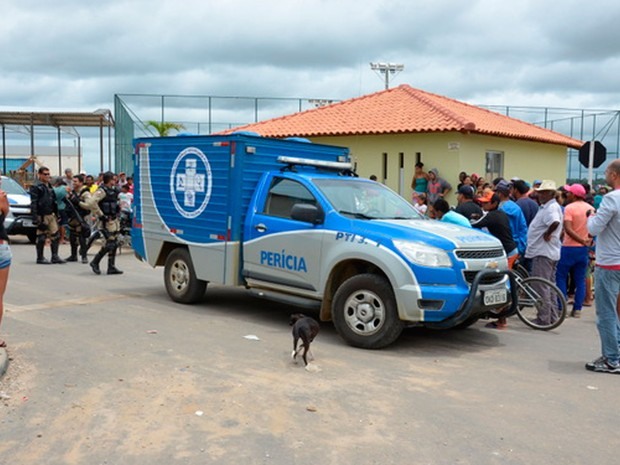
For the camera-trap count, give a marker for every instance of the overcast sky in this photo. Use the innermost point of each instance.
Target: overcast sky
(76, 54)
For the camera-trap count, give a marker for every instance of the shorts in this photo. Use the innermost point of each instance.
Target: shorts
(52, 225)
(512, 258)
(415, 195)
(64, 217)
(5, 255)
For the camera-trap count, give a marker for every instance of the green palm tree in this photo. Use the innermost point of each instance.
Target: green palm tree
(163, 128)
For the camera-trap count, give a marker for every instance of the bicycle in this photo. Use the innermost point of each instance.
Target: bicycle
(531, 300)
(534, 297)
(535, 294)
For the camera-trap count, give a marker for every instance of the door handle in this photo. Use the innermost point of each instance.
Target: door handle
(261, 228)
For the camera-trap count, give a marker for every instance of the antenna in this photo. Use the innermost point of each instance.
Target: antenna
(387, 69)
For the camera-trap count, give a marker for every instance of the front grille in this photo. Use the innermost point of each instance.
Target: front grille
(479, 254)
(488, 279)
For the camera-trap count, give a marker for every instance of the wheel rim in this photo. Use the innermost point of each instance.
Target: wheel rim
(539, 297)
(179, 276)
(364, 312)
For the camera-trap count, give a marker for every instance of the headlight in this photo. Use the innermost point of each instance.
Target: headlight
(425, 255)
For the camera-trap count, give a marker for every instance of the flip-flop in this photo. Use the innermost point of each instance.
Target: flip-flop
(494, 325)
(2, 343)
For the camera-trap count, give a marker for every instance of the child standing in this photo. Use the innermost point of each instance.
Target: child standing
(421, 204)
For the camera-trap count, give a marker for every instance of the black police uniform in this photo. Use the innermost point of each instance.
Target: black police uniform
(44, 215)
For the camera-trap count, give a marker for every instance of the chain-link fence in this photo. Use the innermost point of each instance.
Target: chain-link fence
(585, 125)
(211, 114)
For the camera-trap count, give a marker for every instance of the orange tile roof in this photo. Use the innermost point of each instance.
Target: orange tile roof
(403, 110)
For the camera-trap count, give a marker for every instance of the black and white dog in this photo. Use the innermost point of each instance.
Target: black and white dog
(306, 329)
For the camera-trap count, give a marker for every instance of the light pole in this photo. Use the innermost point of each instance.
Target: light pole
(387, 69)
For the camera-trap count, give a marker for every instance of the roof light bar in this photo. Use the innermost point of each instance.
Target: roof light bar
(335, 165)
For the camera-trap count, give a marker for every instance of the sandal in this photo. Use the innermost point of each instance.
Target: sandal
(2, 343)
(496, 325)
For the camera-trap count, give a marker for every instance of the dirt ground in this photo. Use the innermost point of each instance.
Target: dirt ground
(108, 370)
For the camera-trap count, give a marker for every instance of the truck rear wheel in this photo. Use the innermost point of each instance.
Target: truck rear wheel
(180, 278)
(364, 312)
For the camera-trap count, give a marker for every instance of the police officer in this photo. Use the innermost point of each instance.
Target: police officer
(44, 215)
(106, 207)
(78, 228)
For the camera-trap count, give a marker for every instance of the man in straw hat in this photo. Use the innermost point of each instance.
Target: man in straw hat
(543, 241)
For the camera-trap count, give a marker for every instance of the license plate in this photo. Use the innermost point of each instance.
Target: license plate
(27, 223)
(498, 296)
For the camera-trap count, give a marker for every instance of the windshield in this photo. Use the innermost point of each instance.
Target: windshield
(10, 186)
(365, 199)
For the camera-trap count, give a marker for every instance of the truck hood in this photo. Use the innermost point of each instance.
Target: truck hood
(446, 236)
(18, 199)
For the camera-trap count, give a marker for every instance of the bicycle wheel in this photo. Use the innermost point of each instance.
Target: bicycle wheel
(520, 270)
(541, 304)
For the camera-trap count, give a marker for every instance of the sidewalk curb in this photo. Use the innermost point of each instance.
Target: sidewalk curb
(4, 361)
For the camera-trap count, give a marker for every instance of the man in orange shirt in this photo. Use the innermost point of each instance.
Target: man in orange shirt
(575, 246)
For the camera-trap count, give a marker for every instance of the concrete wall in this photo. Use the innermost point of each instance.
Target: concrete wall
(451, 153)
(47, 156)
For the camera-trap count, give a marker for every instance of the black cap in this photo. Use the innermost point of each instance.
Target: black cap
(503, 186)
(467, 191)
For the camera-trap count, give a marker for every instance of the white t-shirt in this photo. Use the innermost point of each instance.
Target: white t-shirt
(420, 208)
(537, 246)
(125, 199)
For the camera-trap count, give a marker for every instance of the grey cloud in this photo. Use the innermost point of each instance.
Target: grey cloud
(77, 52)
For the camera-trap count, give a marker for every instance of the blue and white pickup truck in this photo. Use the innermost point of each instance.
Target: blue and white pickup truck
(290, 221)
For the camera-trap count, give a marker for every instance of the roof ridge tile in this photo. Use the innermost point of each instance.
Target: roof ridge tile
(424, 97)
(402, 110)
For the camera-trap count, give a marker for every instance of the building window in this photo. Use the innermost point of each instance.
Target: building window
(494, 165)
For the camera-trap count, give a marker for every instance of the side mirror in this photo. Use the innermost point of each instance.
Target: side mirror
(307, 213)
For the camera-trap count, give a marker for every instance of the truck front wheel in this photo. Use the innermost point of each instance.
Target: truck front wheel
(364, 312)
(181, 282)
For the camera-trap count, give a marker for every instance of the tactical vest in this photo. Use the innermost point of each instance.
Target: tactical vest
(45, 199)
(75, 198)
(109, 204)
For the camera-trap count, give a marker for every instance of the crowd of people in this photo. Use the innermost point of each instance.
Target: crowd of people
(561, 234)
(71, 206)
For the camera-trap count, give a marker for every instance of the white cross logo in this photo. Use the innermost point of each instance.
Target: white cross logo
(190, 183)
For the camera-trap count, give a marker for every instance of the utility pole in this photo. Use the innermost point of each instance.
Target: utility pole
(387, 69)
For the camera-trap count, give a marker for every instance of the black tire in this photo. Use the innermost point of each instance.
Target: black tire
(180, 278)
(531, 293)
(364, 312)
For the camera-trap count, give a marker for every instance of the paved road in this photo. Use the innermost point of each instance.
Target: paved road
(105, 369)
